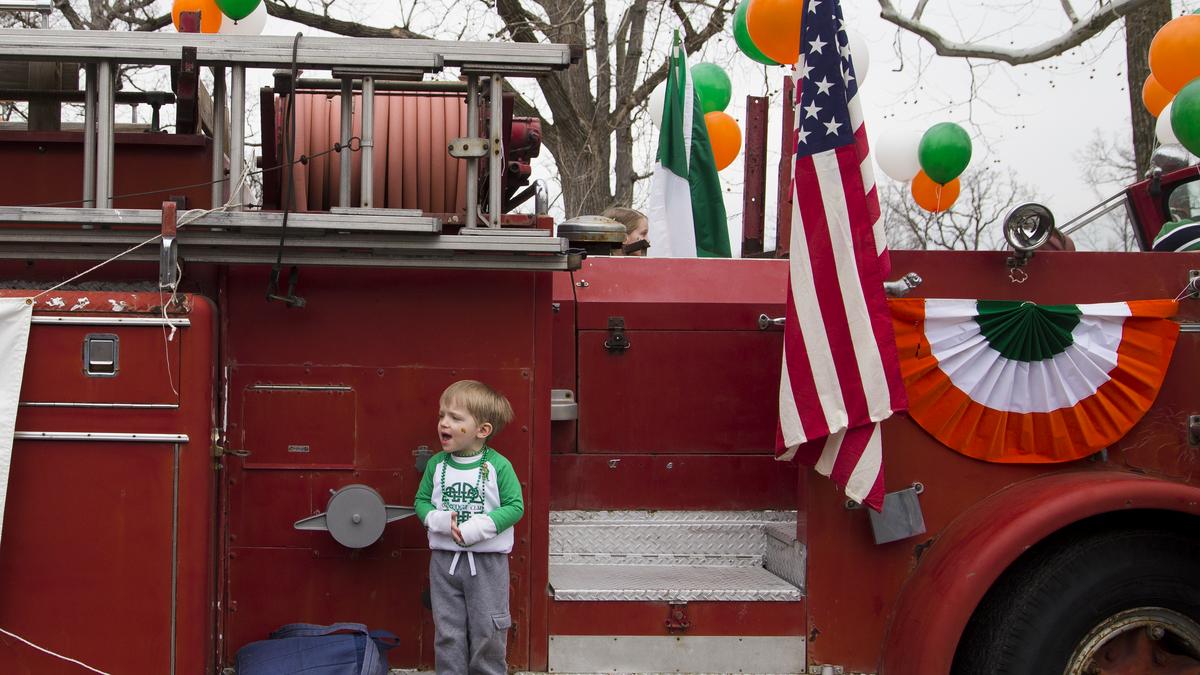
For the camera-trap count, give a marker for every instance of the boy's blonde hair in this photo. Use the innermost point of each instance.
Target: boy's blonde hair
(484, 403)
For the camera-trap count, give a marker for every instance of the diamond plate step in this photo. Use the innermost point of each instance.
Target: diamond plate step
(675, 556)
(669, 583)
(690, 533)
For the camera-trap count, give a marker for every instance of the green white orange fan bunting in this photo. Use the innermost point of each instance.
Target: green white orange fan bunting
(1018, 382)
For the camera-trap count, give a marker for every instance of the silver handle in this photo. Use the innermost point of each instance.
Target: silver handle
(765, 322)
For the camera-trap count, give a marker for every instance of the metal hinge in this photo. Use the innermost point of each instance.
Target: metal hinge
(677, 619)
(217, 450)
(616, 342)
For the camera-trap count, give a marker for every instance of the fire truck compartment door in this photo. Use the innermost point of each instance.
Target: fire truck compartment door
(298, 426)
(102, 364)
(695, 373)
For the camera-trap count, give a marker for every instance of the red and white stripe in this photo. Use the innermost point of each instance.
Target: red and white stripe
(840, 368)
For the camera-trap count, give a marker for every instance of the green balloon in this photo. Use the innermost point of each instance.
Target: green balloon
(237, 9)
(713, 86)
(1185, 116)
(741, 35)
(944, 152)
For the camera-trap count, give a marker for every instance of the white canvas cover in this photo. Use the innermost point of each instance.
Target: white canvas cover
(15, 317)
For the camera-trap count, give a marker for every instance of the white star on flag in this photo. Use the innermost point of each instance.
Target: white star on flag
(802, 68)
(811, 110)
(817, 46)
(823, 86)
(832, 126)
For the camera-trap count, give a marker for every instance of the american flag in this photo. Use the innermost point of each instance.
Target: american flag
(841, 375)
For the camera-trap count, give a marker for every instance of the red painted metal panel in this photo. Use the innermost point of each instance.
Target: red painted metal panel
(537, 488)
(52, 168)
(298, 428)
(54, 367)
(679, 293)
(96, 533)
(270, 587)
(680, 392)
(649, 618)
(397, 339)
(672, 481)
(86, 559)
(563, 376)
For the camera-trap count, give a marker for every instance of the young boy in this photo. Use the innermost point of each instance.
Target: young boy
(469, 500)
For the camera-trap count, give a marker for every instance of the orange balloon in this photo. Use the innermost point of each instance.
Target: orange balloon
(1173, 52)
(931, 196)
(1154, 96)
(725, 136)
(210, 14)
(774, 27)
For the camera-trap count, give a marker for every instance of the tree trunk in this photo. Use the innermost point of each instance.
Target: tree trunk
(1140, 27)
(584, 173)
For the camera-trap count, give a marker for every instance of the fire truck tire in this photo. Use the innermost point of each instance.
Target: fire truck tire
(1038, 616)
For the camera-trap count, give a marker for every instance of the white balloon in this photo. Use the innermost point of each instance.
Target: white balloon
(654, 106)
(251, 25)
(859, 55)
(1162, 127)
(896, 153)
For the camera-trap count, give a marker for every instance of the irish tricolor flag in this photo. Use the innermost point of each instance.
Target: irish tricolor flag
(687, 213)
(1019, 382)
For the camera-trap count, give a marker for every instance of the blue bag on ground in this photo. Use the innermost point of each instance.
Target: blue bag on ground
(338, 649)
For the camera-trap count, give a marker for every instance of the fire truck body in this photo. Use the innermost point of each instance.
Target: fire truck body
(167, 448)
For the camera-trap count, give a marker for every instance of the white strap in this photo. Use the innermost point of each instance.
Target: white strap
(470, 561)
(454, 562)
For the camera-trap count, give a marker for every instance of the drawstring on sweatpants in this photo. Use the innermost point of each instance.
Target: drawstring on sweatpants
(470, 562)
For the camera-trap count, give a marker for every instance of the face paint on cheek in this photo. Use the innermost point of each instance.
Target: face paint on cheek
(462, 430)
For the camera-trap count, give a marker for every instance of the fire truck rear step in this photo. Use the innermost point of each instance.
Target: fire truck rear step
(675, 556)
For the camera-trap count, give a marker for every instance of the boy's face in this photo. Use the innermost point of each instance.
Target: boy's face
(458, 429)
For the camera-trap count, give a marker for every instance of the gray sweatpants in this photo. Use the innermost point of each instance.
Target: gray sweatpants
(470, 612)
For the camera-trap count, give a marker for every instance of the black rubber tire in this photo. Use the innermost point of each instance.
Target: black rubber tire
(1031, 621)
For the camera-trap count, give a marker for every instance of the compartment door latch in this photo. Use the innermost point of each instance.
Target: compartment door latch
(616, 342)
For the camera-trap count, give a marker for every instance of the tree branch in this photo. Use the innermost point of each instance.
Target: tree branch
(69, 13)
(1070, 12)
(1083, 29)
(692, 42)
(350, 28)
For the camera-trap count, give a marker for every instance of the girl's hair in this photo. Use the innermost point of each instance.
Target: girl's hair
(625, 216)
(484, 403)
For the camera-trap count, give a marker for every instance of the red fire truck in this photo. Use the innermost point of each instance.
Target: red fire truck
(220, 429)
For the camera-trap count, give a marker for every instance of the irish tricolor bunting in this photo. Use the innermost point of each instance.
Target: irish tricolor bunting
(1025, 383)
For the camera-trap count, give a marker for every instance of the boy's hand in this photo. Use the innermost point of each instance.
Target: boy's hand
(454, 531)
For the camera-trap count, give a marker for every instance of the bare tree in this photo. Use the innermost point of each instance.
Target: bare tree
(1142, 18)
(973, 223)
(1109, 165)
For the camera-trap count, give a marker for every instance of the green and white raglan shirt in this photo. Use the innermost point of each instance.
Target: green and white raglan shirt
(482, 489)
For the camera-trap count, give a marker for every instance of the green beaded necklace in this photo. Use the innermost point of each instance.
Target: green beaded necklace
(480, 476)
